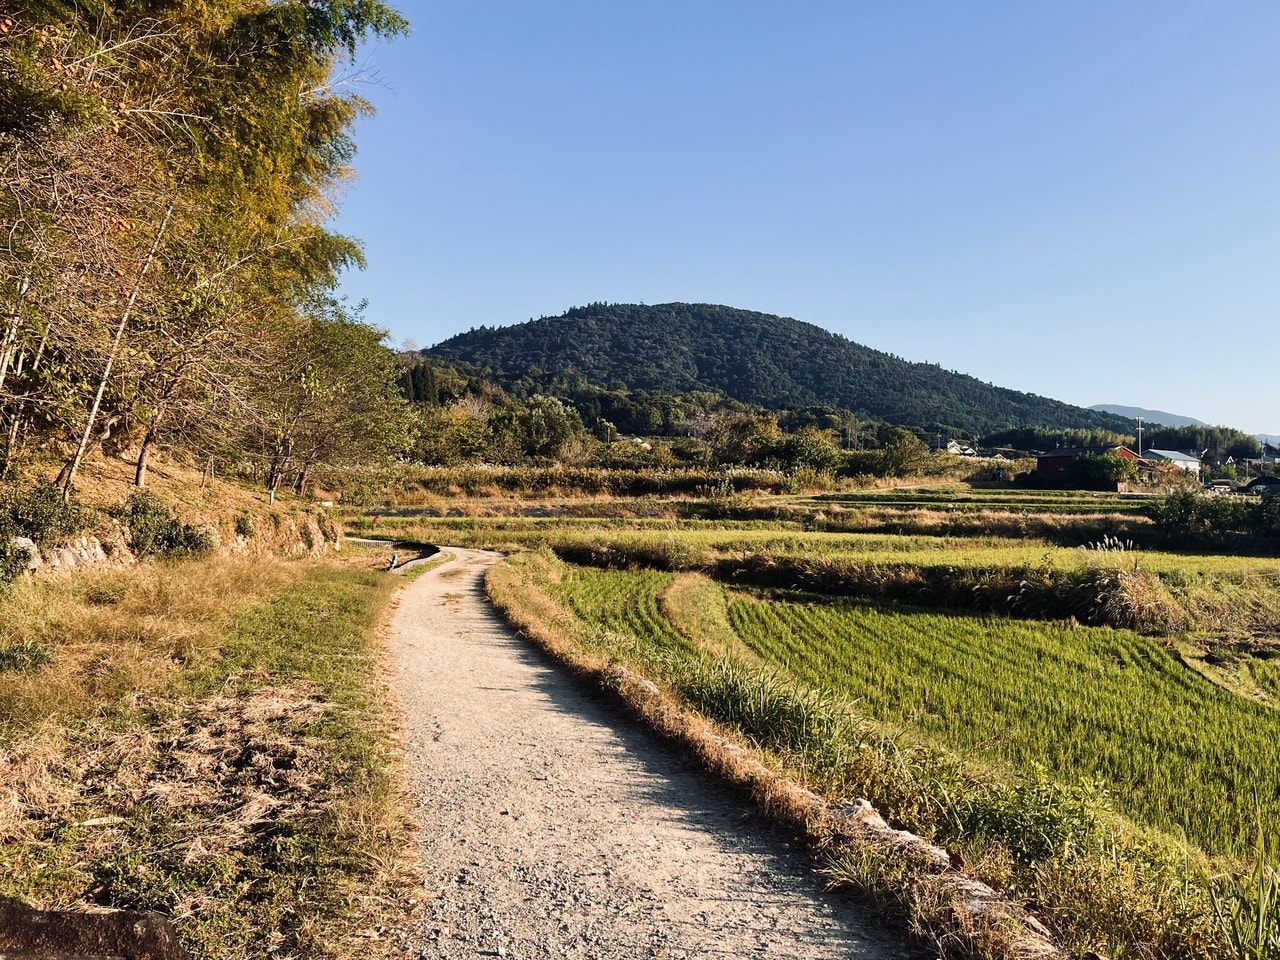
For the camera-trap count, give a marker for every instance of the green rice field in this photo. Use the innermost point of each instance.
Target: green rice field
(1174, 750)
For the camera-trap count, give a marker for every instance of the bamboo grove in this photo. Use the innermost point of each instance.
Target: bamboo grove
(166, 277)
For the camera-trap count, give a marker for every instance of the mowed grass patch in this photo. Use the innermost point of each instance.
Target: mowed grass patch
(695, 606)
(240, 785)
(622, 608)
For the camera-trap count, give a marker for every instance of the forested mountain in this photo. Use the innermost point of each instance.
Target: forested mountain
(756, 358)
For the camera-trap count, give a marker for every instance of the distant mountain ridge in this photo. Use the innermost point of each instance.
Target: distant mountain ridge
(1149, 416)
(1168, 419)
(757, 358)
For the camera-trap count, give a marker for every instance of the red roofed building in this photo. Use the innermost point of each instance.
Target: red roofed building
(1054, 466)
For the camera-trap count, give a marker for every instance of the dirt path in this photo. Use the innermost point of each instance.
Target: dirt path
(550, 830)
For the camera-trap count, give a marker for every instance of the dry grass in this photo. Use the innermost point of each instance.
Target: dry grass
(208, 740)
(218, 770)
(695, 605)
(116, 634)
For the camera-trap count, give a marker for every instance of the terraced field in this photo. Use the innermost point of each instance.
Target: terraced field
(1078, 702)
(1081, 702)
(966, 498)
(979, 684)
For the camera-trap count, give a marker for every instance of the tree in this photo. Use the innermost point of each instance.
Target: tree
(204, 136)
(1217, 442)
(741, 437)
(454, 434)
(904, 454)
(808, 447)
(329, 398)
(1093, 469)
(605, 431)
(1268, 515)
(420, 385)
(538, 429)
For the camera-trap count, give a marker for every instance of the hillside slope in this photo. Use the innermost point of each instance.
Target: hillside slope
(773, 362)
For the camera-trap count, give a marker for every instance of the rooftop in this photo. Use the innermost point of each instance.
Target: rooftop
(1171, 455)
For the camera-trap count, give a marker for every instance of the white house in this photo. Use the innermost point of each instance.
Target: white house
(1176, 458)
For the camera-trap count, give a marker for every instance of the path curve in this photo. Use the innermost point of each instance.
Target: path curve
(549, 829)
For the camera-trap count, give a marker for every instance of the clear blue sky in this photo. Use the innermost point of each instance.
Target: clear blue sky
(1081, 200)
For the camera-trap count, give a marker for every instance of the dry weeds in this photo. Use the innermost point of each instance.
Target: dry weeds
(219, 775)
(206, 741)
(239, 763)
(116, 634)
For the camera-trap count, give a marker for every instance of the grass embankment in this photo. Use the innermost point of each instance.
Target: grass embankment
(1089, 575)
(1058, 723)
(203, 738)
(1103, 582)
(1069, 517)
(963, 498)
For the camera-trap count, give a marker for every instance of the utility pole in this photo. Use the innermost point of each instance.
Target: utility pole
(1139, 438)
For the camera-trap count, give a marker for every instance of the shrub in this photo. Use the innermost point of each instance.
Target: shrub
(863, 463)
(41, 513)
(13, 558)
(1269, 515)
(1182, 512)
(1092, 470)
(157, 532)
(1040, 820)
(244, 524)
(1191, 512)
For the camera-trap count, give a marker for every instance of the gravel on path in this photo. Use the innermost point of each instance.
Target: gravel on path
(548, 828)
